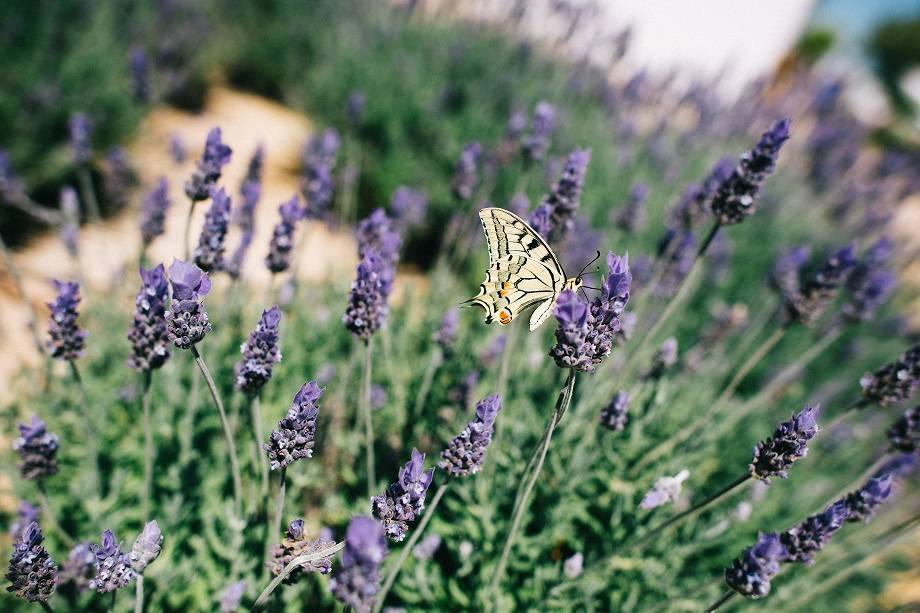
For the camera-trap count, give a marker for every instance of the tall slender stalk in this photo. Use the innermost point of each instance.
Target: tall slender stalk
(45, 606)
(148, 445)
(228, 433)
(188, 230)
(89, 194)
(407, 548)
(139, 594)
(255, 412)
(437, 356)
(291, 567)
(92, 445)
(368, 422)
(275, 527)
(47, 216)
(728, 595)
(526, 487)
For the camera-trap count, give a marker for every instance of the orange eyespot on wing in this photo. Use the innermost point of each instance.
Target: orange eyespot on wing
(503, 293)
(504, 317)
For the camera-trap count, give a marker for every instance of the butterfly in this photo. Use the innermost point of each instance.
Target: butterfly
(523, 271)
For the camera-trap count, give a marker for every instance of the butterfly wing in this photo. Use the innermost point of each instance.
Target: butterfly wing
(523, 270)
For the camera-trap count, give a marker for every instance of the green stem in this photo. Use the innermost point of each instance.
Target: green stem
(228, 433)
(562, 403)
(188, 230)
(275, 527)
(46, 606)
(293, 565)
(90, 433)
(423, 391)
(89, 194)
(255, 410)
(407, 548)
(728, 595)
(148, 445)
(368, 422)
(139, 594)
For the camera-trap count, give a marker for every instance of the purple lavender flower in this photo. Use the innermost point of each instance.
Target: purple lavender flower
(259, 353)
(378, 233)
(678, 248)
(177, 149)
(465, 178)
(215, 156)
(404, 500)
(664, 358)
(519, 205)
(510, 144)
(904, 434)
(536, 143)
(564, 198)
(113, 566)
(606, 310)
(25, 515)
(79, 568)
(354, 109)
(876, 257)
(294, 437)
(70, 212)
(33, 575)
(408, 206)
(358, 578)
(209, 254)
(140, 75)
(118, 177)
(821, 290)
(81, 135)
(786, 272)
(67, 339)
(154, 207)
(750, 573)
(367, 302)
(279, 250)
(446, 335)
(319, 160)
(466, 452)
(37, 449)
(12, 188)
(231, 596)
(894, 382)
(149, 335)
(736, 197)
(616, 413)
(294, 544)
(665, 491)
(574, 566)
(806, 539)
(428, 546)
(493, 351)
(631, 216)
(774, 456)
(250, 192)
(186, 320)
(571, 349)
(541, 220)
(378, 397)
(146, 547)
(863, 503)
(870, 296)
(899, 466)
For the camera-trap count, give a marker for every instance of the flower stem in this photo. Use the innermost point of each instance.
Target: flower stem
(293, 565)
(228, 433)
(148, 445)
(436, 358)
(691, 511)
(562, 403)
(845, 413)
(50, 517)
(275, 527)
(89, 194)
(722, 600)
(139, 594)
(90, 433)
(255, 410)
(368, 422)
(407, 548)
(188, 230)
(46, 606)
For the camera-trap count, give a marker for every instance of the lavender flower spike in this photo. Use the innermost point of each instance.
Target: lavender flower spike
(79, 568)
(279, 250)
(140, 75)
(81, 134)
(146, 547)
(565, 197)
(149, 335)
(260, 353)
(666, 490)
(209, 254)
(33, 575)
(464, 181)
(154, 207)
(615, 415)
(736, 197)
(294, 544)
(571, 349)
(751, 572)
(894, 382)
(358, 579)
(536, 143)
(446, 335)
(862, 503)
(404, 500)
(231, 596)
(465, 454)
(821, 290)
(806, 539)
(67, 339)
(378, 232)
(774, 456)
(187, 321)
(25, 515)
(295, 435)
(367, 305)
(113, 566)
(208, 168)
(904, 434)
(37, 449)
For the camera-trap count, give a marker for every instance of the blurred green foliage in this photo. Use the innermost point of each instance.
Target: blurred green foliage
(895, 48)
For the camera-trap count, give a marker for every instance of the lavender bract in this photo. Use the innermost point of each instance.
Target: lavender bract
(37, 449)
(404, 500)
(616, 414)
(751, 572)
(807, 538)
(774, 456)
(33, 575)
(894, 382)
(67, 339)
(294, 437)
(367, 307)
(208, 168)
(279, 250)
(209, 254)
(260, 353)
(154, 207)
(863, 503)
(186, 320)
(113, 566)
(294, 544)
(149, 335)
(466, 452)
(358, 579)
(146, 547)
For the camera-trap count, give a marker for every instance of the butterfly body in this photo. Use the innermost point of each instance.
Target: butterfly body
(523, 271)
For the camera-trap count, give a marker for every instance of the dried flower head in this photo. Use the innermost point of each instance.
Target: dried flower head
(79, 569)
(208, 168)
(209, 254)
(295, 544)
(904, 434)
(113, 566)
(294, 437)
(774, 456)
(666, 490)
(154, 207)
(148, 335)
(465, 176)
(33, 575)
(404, 500)
(616, 413)
(751, 572)
(894, 382)
(259, 353)
(67, 339)
(187, 321)
(466, 452)
(279, 250)
(358, 578)
(862, 504)
(367, 307)
(146, 547)
(37, 449)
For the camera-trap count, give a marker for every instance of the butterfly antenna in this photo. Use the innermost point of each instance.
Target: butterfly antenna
(588, 265)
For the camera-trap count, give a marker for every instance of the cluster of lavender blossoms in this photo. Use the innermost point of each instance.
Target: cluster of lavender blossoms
(32, 574)
(536, 143)
(154, 207)
(807, 538)
(37, 449)
(871, 282)
(807, 305)
(561, 204)
(149, 335)
(250, 192)
(736, 196)
(465, 176)
(295, 544)
(751, 572)
(789, 443)
(113, 566)
(209, 254)
(208, 168)
(294, 437)
(904, 434)
(81, 135)
(404, 500)
(318, 186)
(358, 578)
(862, 504)
(894, 382)
(446, 334)
(367, 305)
(379, 233)
(80, 567)
(466, 452)
(67, 339)
(408, 206)
(585, 334)
(186, 320)
(616, 414)
(259, 353)
(282, 241)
